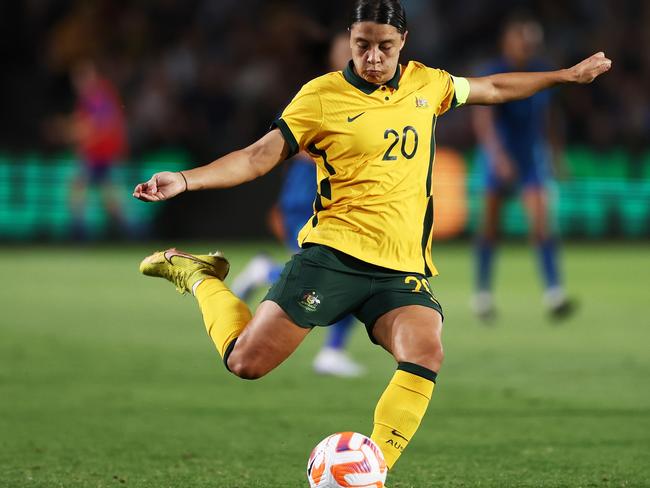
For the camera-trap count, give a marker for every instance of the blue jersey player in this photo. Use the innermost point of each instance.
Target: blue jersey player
(294, 209)
(514, 157)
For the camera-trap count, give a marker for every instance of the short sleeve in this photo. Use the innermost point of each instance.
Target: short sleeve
(443, 86)
(452, 91)
(301, 120)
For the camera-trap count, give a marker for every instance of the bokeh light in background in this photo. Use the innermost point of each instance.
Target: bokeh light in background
(107, 377)
(199, 78)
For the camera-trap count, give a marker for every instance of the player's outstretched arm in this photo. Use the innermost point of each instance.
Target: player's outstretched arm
(231, 170)
(506, 87)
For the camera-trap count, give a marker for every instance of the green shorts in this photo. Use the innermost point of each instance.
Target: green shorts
(321, 285)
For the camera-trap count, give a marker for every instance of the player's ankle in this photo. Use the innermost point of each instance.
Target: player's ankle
(198, 278)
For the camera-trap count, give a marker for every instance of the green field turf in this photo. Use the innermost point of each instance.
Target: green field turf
(108, 379)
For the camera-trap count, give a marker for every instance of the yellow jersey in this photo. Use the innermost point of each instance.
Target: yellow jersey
(374, 147)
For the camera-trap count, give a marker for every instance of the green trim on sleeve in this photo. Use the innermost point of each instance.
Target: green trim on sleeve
(288, 136)
(461, 90)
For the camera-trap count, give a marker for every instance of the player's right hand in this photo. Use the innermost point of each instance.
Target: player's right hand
(161, 186)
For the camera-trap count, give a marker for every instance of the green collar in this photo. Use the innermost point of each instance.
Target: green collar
(365, 86)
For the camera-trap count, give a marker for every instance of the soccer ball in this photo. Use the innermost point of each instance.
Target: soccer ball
(346, 460)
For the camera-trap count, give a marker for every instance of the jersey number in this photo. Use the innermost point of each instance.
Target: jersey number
(392, 133)
(419, 282)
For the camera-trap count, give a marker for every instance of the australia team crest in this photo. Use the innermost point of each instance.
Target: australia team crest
(421, 102)
(310, 301)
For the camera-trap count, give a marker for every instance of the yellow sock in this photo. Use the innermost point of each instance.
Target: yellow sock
(401, 408)
(224, 315)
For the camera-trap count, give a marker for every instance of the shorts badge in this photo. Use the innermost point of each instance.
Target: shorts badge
(310, 301)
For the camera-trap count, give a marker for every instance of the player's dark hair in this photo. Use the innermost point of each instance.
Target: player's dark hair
(380, 11)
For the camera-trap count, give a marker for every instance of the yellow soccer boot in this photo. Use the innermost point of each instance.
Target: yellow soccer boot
(183, 269)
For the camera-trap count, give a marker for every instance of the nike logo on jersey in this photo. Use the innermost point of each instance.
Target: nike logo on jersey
(352, 119)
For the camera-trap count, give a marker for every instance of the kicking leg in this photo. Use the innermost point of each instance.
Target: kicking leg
(250, 346)
(265, 342)
(412, 334)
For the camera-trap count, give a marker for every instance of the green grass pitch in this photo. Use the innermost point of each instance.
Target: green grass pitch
(108, 379)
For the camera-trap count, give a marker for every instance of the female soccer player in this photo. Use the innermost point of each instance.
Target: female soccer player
(367, 248)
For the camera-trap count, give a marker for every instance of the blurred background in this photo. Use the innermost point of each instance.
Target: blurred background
(196, 79)
(107, 377)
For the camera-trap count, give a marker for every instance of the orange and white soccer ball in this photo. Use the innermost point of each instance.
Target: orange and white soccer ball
(346, 460)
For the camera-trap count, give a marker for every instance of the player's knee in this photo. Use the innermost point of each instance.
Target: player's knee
(434, 359)
(245, 370)
(246, 366)
(431, 356)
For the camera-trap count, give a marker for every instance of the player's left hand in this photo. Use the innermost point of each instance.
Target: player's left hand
(589, 69)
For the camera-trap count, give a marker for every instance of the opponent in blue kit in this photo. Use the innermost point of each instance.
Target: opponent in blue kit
(514, 157)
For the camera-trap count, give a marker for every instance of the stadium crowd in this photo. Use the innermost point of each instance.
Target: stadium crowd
(210, 74)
